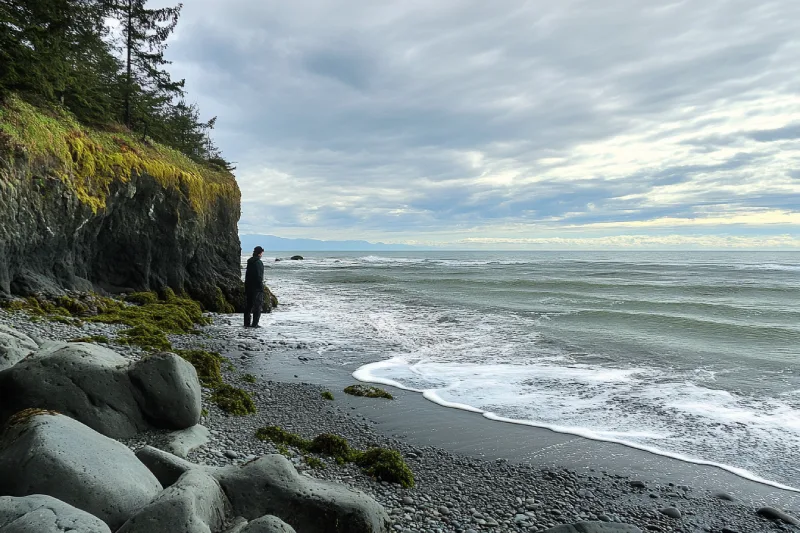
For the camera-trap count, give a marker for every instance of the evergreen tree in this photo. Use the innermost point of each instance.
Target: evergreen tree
(144, 35)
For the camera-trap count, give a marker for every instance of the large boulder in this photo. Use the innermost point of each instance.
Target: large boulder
(104, 390)
(194, 504)
(271, 486)
(44, 514)
(14, 347)
(47, 453)
(267, 524)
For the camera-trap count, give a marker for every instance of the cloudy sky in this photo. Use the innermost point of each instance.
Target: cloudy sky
(474, 123)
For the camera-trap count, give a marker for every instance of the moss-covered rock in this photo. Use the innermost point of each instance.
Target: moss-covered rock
(142, 298)
(333, 445)
(367, 391)
(280, 436)
(386, 465)
(233, 401)
(328, 395)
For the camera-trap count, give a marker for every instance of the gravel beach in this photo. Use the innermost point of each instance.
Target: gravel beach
(453, 492)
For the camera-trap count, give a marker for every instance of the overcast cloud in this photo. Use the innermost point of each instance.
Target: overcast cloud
(510, 124)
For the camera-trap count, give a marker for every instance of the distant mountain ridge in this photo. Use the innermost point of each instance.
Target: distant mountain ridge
(280, 244)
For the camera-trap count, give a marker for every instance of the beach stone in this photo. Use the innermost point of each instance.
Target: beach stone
(671, 512)
(14, 346)
(777, 514)
(594, 527)
(168, 390)
(194, 504)
(95, 474)
(724, 496)
(103, 390)
(44, 514)
(184, 441)
(637, 484)
(271, 486)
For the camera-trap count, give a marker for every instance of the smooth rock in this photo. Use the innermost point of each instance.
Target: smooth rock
(671, 512)
(94, 473)
(724, 496)
(777, 514)
(168, 390)
(167, 468)
(14, 346)
(103, 390)
(184, 441)
(594, 527)
(44, 514)
(271, 486)
(194, 504)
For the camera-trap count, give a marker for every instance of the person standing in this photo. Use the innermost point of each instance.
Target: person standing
(254, 288)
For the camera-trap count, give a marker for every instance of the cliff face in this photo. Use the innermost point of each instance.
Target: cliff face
(84, 209)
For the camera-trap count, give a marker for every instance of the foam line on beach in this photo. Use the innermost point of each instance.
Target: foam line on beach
(365, 374)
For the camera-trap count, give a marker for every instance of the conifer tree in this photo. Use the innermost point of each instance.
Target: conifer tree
(144, 35)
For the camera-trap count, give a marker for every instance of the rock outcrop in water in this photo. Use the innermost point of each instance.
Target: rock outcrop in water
(84, 209)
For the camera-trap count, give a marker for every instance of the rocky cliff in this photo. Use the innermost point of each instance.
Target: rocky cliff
(89, 209)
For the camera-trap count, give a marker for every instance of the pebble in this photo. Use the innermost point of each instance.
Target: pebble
(671, 512)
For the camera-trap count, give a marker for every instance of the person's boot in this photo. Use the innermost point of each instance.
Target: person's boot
(247, 320)
(256, 316)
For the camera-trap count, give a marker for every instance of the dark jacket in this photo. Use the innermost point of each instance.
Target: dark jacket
(254, 275)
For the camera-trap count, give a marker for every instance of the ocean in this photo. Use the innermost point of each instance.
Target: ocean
(693, 355)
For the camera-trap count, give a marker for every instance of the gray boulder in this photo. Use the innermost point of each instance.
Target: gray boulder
(271, 486)
(194, 504)
(14, 347)
(776, 514)
(94, 473)
(103, 390)
(167, 389)
(594, 527)
(43, 514)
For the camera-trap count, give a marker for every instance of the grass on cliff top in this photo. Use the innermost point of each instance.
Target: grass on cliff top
(380, 463)
(89, 160)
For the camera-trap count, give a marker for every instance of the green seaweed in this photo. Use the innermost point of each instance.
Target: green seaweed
(142, 298)
(233, 401)
(249, 378)
(314, 462)
(367, 391)
(328, 395)
(207, 365)
(281, 436)
(333, 445)
(145, 336)
(386, 465)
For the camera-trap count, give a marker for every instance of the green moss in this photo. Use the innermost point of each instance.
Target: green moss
(72, 306)
(145, 336)
(233, 401)
(88, 161)
(249, 378)
(206, 364)
(280, 436)
(142, 298)
(93, 338)
(333, 445)
(386, 465)
(221, 305)
(283, 450)
(314, 462)
(367, 391)
(328, 395)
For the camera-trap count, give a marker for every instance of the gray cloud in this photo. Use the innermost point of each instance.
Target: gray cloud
(418, 117)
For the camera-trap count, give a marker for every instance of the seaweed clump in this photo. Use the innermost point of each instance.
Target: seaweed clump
(367, 392)
(145, 336)
(380, 463)
(387, 465)
(328, 395)
(233, 401)
(207, 365)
